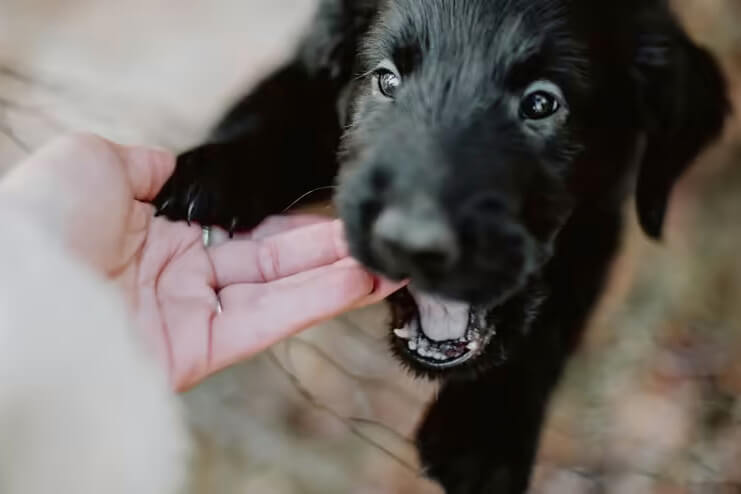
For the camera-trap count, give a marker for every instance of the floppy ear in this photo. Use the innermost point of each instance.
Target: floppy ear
(683, 97)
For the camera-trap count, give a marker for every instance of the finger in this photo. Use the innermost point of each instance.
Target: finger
(275, 225)
(278, 256)
(147, 169)
(382, 289)
(257, 316)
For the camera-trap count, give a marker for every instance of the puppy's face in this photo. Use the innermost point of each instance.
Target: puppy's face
(468, 132)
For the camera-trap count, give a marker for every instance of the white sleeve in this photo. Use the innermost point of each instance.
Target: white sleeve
(83, 409)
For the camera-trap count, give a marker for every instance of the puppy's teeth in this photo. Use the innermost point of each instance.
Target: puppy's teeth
(473, 346)
(404, 334)
(412, 345)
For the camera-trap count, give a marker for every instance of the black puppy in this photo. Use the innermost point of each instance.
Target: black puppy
(486, 147)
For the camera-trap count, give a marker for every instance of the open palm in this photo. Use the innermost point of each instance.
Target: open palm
(201, 308)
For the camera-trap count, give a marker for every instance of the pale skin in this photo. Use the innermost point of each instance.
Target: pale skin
(288, 274)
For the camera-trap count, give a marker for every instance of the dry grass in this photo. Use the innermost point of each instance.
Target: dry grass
(649, 406)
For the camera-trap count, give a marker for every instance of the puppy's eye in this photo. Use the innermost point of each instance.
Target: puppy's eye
(388, 82)
(541, 100)
(539, 105)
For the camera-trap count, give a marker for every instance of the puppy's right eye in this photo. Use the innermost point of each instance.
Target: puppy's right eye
(388, 82)
(539, 105)
(541, 100)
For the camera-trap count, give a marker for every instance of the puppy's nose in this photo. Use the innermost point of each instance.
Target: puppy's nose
(414, 239)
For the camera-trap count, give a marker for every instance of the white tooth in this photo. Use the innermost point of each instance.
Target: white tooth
(403, 333)
(412, 345)
(473, 346)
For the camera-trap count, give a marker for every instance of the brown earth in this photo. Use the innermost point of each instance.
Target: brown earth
(651, 403)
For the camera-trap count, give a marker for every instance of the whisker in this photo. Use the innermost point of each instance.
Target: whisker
(307, 194)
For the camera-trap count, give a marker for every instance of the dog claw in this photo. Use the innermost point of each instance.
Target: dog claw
(161, 209)
(191, 200)
(191, 209)
(189, 216)
(233, 226)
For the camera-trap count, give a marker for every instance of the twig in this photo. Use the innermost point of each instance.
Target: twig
(349, 423)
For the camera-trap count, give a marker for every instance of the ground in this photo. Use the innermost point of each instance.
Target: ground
(650, 405)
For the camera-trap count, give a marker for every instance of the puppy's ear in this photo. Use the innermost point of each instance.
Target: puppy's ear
(683, 97)
(330, 49)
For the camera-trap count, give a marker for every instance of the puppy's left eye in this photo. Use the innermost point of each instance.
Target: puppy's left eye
(541, 100)
(388, 82)
(386, 79)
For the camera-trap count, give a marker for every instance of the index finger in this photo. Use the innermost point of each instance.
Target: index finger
(278, 256)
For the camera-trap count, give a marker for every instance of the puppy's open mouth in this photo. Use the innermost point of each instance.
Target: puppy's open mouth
(435, 332)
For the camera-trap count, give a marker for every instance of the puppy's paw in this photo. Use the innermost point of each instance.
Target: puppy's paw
(208, 188)
(469, 475)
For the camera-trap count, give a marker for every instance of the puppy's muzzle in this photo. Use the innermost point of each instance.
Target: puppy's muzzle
(473, 251)
(416, 240)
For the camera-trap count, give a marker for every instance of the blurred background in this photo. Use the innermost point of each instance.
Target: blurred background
(651, 403)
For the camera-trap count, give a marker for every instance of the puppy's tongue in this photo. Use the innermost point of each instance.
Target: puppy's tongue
(441, 319)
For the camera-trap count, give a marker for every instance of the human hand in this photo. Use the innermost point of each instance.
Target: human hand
(288, 274)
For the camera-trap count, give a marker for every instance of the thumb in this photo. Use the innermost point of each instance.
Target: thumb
(147, 169)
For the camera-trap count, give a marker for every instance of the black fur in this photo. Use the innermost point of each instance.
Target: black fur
(533, 208)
